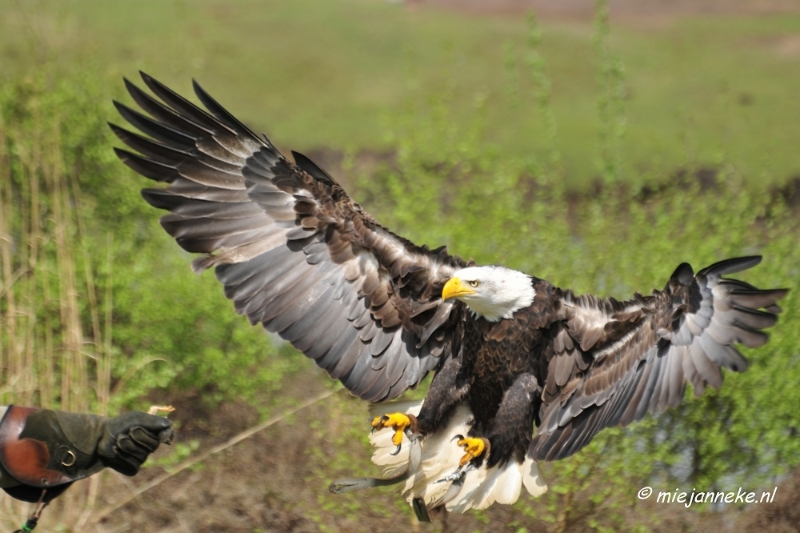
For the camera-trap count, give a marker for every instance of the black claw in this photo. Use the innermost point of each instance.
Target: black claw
(457, 437)
(397, 450)
(384, 418)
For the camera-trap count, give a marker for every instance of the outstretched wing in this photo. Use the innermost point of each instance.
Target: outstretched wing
(616, 361)
(293, 251)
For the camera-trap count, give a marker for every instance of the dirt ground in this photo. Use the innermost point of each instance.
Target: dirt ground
(272, 482)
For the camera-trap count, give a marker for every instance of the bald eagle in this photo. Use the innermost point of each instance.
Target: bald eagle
(511, 353)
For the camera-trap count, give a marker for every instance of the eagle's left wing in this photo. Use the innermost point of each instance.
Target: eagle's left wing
(613, 361)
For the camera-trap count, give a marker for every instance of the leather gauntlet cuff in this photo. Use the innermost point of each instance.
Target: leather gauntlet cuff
(35, 451)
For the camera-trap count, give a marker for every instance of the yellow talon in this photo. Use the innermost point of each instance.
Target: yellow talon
(397, 421)
(473, 448)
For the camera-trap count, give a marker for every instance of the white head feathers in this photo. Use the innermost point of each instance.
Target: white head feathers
(493, 292)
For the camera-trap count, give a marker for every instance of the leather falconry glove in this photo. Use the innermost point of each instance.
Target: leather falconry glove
(46, 449)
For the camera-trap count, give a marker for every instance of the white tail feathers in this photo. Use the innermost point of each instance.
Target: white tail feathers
(440, 455)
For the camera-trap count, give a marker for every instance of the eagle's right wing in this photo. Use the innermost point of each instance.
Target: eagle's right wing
(293, 251)
(616, 361)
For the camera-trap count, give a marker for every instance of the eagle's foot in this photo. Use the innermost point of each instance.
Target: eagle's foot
(399, 422)
(474, 448)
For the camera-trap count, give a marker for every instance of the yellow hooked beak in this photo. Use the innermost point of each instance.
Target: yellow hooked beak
(453, 289)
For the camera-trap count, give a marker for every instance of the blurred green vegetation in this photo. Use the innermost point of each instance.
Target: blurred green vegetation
(311, 73)
(54, 130)
(561, 149)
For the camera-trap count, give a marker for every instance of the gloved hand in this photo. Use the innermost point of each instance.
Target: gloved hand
(128, 439)
(46, 450)
(82, 443)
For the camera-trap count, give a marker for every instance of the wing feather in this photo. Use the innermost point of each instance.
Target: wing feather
(290, 247)
(643, 351)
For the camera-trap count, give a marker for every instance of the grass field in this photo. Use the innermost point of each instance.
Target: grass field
(697, 90)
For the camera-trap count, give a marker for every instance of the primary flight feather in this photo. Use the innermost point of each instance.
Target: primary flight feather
(511, 353)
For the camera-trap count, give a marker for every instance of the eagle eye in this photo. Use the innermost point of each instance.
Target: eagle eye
(474, 283)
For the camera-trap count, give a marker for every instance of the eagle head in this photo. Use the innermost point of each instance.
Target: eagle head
(493, 292)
